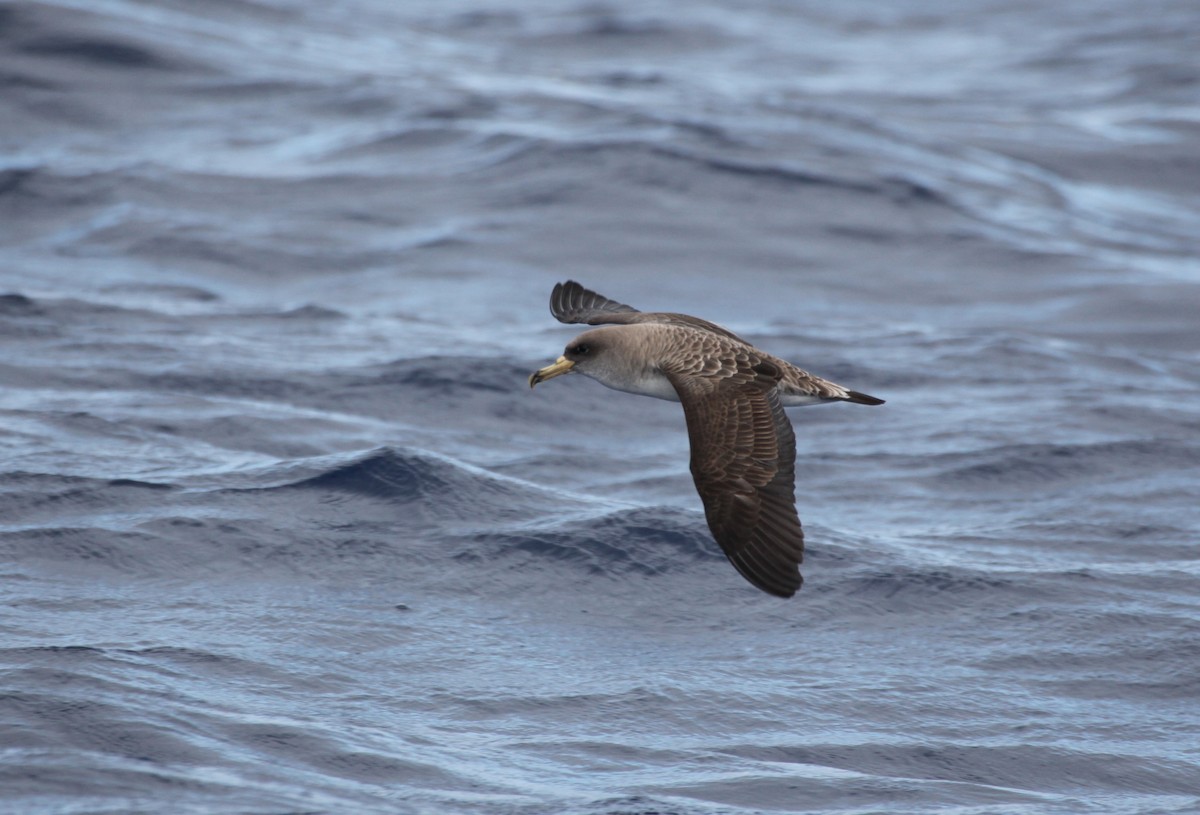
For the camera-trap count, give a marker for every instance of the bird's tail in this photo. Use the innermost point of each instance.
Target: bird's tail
(862, 398)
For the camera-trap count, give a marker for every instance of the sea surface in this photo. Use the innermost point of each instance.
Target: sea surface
(284, 530)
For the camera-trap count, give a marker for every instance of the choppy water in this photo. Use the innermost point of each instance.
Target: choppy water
(284, 530)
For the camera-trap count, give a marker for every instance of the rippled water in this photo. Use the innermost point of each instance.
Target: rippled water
(284, 529)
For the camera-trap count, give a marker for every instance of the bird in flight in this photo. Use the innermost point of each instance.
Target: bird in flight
(743, 449)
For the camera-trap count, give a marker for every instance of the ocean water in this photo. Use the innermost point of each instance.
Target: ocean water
(284, 530)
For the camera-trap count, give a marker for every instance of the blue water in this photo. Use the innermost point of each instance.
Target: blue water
(284, 530)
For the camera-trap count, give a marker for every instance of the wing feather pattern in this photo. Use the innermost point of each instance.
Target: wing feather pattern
(744, 467)
(570, 302)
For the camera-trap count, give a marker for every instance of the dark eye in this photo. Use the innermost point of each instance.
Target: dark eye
(581, 350)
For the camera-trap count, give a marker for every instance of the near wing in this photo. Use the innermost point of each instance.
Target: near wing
(744, 466)
(572, 303)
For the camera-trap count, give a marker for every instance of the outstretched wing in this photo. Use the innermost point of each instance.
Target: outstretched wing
(744, 466)
(572, 303)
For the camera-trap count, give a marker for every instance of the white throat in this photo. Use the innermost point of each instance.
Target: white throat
(648, 383)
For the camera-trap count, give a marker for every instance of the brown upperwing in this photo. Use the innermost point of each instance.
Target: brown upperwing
(572, 303)
(744, 465)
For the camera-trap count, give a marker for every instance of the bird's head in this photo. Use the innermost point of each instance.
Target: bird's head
(586, 354)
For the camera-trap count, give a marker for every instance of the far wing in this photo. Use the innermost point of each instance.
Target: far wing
(572, 303)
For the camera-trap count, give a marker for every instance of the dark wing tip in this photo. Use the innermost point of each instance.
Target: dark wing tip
(771, 558)
(570, 302)
(777, 584)
(558, 299)
(862, 398)
(789, 592)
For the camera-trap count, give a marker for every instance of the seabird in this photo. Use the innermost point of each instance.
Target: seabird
(743, 448)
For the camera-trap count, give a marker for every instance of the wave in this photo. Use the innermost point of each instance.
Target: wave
(109, 719)
(446, 489)
(648, 541)
(1020, 466)
(384, 503)
(47, 33)
(1029, 767)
